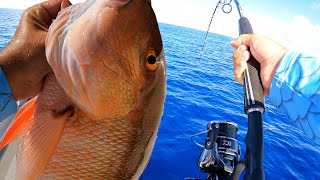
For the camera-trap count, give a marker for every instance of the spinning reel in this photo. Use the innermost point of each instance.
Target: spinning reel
(221, 152)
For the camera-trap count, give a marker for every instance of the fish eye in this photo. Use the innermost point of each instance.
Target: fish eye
(151, 62)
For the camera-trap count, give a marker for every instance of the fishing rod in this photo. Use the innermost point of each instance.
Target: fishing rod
(221, 152)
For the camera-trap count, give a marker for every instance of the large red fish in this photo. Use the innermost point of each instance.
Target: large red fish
(98, 114)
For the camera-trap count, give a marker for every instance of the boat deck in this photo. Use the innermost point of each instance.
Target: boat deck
(8, 162)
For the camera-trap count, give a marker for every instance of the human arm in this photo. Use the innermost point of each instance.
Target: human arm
(289, 78)
(295, 89)
(23, 64)
(23, 60)
(8, 104)
(266, 51)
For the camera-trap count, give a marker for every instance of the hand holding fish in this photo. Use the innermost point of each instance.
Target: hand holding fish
(266, 51)
(23, 60)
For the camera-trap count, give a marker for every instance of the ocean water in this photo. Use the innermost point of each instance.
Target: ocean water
(199, 91)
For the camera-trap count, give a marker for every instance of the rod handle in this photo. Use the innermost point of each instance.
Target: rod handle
(253, 107)
(253, 89)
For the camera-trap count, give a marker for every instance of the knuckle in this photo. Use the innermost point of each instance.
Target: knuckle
(235, 75)
(235, 55)
(27, 12)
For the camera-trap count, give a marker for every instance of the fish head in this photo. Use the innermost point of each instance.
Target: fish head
(108, 57)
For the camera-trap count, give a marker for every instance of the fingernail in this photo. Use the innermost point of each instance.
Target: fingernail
(232, 43)
(244, 65)
(242, 48)
(242, 54)
(239, 79)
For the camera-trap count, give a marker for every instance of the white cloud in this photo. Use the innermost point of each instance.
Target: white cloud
(298, 33)
(304, 35)
(315, 5)
(182, 12)
(23, 4)
(18, 4)
(195, 14)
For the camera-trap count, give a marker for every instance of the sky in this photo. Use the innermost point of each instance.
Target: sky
(294, 23)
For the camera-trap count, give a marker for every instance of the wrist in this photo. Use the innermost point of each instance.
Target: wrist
(10, 68)
(4, 85)
(271, 68)
(25, 74)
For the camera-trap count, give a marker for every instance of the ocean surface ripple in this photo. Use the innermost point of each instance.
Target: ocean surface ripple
(200, 90)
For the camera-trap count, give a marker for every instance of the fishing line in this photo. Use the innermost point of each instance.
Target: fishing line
(195, 135)
(220, 157)
(225, 4)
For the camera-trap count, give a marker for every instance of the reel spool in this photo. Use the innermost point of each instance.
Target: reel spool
(221, 152)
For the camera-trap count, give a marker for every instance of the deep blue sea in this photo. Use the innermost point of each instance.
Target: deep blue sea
(205, 90)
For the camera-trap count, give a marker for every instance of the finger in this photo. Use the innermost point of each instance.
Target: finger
(235, 43)
(238, 74)
(54, 6)
(240, 58)
(45, 12)
(244, 39)
(65, 4)
(241, 54)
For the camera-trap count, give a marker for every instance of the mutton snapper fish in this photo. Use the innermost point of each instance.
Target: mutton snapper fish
(98, 114)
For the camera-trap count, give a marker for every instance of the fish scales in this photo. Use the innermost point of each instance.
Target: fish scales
(111, 148)
(98, 114)
(97, 153)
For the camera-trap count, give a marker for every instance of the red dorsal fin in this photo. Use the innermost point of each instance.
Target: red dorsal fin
(20, 121)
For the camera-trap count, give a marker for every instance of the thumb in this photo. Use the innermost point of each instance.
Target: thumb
(65, 4)
(53, 7)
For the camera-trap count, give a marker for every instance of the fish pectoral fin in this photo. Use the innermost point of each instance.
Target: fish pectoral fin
(15, 128)
(39, 143)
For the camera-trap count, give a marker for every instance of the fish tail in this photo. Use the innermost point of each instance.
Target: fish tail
(20, 121)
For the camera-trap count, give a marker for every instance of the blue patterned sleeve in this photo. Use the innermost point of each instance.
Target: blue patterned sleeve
(295, 89)
(8, 105)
